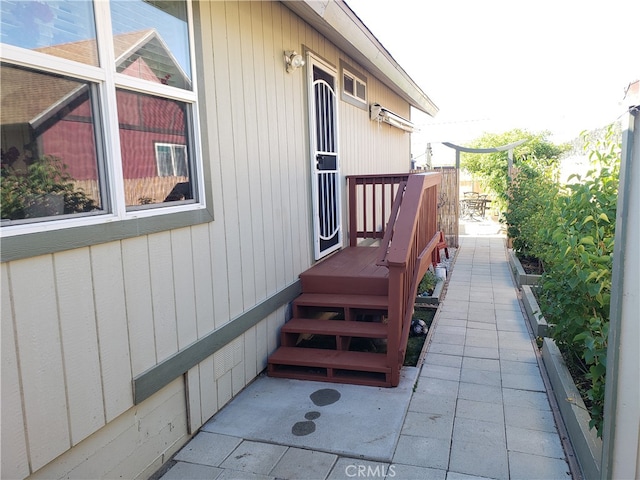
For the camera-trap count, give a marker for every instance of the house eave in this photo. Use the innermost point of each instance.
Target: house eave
(338, 23)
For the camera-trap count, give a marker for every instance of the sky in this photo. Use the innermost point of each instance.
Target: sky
(495, 65)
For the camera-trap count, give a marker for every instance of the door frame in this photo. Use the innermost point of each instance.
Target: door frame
(311, 61)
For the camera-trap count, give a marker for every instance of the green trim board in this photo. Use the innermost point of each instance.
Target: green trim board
(149, 382)
(41, 243)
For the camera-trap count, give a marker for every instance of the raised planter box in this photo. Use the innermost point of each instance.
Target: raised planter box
(536, 319)
(586, 444)
(434, 298)
(522, 278)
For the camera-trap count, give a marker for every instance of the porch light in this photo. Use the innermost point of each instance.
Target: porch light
(293, 60)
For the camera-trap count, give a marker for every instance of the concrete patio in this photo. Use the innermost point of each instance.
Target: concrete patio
(477, 407)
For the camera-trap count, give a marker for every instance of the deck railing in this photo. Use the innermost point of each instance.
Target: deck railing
(371, 199)
(409, 245)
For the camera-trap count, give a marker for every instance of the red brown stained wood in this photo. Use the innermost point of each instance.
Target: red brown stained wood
(352, 270)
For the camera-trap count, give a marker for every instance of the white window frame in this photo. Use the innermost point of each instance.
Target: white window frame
(108, 80)
(173, 147)
(358, 80)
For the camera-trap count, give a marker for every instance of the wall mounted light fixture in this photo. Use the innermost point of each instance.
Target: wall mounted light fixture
(293, 60)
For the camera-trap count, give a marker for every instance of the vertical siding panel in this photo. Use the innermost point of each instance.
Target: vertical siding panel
(301, 191)
(236, 31)
(224, 389)
(40, 358)
(214, 147)
(208, 393)
(238, 379)
(15, 463)
(250, 366)
(79, 342)
(163, 295)
(271, 174)
(111, 316)
(183, 280)
(262, 345)
(203, 282)
(228, 157)
(135, 261)
(251, 79)
(291, 106)
(279, 175)
(194, 408)
(274, 322)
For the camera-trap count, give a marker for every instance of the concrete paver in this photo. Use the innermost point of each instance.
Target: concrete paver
(479, 409)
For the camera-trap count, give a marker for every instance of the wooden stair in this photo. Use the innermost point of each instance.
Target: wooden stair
(327, 339)
(352, 321)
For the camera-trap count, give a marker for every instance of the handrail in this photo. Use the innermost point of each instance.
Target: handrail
(412, 247)
(401, 211)
(388, 231)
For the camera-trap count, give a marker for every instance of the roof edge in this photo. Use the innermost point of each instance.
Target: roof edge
(336, 21)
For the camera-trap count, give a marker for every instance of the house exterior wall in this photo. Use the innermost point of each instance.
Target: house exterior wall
(79, 325)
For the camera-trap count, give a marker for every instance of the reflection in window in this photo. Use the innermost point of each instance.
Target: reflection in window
(145, 122)
(171, 160)
(49, 160)
(151, 41)
(63, 28)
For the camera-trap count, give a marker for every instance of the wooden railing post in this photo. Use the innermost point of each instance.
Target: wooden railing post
(353, 220)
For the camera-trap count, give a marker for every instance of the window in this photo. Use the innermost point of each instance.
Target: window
(171, 160)
(96, 124)
(354, 87)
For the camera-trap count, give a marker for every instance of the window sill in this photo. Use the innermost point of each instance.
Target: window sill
(31, 244)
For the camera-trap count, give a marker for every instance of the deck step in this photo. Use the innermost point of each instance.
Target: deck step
(318, 357)
(335, 327)
(371, 302)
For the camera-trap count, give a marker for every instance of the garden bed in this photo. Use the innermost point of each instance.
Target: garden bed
(586, 444)
(536, 319)
(521, 276)
(433, 299)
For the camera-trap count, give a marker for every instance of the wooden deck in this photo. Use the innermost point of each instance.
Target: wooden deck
(352, 320)
(352, 270)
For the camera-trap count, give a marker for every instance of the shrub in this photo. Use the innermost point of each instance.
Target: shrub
(576, 286)
(532, 208)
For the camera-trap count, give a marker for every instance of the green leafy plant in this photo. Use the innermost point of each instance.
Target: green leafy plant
(492, 168)
(43, 188)
(532, 209)
(575, 293)
(428, 283)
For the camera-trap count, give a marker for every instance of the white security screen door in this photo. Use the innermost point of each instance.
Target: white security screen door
(325, 181)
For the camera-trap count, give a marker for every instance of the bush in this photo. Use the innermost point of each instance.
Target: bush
(532, 208)
(576, 286)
